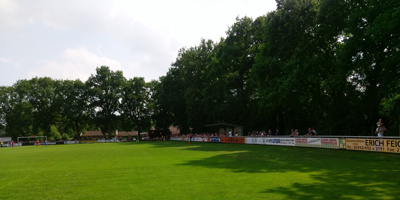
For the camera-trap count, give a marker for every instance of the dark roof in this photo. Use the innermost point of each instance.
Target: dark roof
(94, 134)
(127, 133)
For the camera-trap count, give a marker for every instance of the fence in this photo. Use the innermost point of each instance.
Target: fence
(360, 143)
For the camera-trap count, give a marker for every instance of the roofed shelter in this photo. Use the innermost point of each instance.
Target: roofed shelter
(127, 135)
(225, 127)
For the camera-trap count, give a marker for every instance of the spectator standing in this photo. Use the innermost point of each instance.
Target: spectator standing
(269, 132)
(277, 132)
(378, 124)
(291, 133)
(309, 132)
(381, 130)
(294, 133)
(313, 131)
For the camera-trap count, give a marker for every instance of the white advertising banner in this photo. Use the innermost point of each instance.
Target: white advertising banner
(197, 139)
(332, 143)
(270, 141)
(176, 139)
(280, 141)
(250, 140)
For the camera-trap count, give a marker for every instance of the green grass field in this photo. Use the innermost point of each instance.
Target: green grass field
(177, 170)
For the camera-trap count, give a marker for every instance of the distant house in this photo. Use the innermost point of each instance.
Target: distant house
(159, 134)
(126, 135)
(93, 135)
(121, 135)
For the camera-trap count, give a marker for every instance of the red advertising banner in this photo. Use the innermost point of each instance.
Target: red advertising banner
(236, 140)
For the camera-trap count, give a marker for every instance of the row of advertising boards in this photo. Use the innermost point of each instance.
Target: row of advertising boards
(359, 144)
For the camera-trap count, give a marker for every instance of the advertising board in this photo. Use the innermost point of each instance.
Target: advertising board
(332, 143)
(199, 139)
(236, 140)
(342, 143)
(280, 141)
(270, 141)
(251, 140)
(176, 139)
(214, 139)
(378, 145)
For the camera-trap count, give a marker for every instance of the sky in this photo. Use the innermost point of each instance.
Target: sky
(68, 40)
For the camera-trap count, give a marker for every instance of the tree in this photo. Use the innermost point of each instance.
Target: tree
(287, 75)
(134, 105)
(40, 92)
(105, 94)
(73, 100)
(159, 111)
(15, 111)
(170, 97)
(191, 64)
(371, 53)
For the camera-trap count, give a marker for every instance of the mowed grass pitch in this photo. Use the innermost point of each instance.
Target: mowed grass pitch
(177, 170)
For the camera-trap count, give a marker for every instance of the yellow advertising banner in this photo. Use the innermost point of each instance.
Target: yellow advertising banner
(379, 145)
(342, 143)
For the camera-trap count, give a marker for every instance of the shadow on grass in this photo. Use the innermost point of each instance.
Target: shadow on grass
(336, 174)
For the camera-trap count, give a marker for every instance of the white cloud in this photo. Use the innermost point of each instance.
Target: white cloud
(78, 63)
(5, 60)
(141, 38)
(10, 63)
(8, 11)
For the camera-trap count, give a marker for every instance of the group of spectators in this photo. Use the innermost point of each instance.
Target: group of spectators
(221, 134)
(263, 133)
(311, 132)
(293, 133)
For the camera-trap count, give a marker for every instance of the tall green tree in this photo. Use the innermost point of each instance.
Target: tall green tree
(15, 111)
(288, 78)
(371, 53)
(191, 64)
(135, 105)
(40, 92)
(229, 88)
(160, 116)
(73, 100)
(105, 94)
(170, 97)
